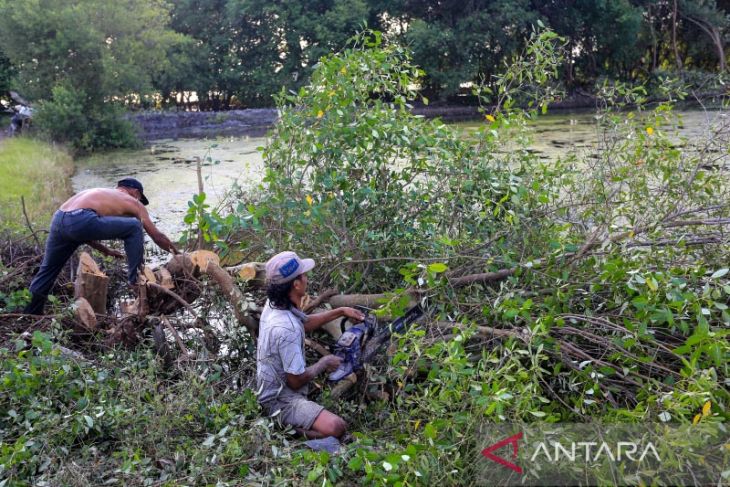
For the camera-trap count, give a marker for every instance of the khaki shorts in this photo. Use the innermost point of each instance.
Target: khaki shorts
(294, 409)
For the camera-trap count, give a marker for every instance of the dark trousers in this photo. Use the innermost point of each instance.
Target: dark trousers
(69, 229)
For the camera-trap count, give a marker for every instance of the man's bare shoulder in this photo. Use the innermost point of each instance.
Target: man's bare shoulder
(105, 201)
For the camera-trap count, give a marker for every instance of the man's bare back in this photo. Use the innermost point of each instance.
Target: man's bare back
(105, 202)
(118, 202)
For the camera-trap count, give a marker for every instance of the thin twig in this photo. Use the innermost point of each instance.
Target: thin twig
(27, 222)
(173, 295)
(323, 297)
(175, 334)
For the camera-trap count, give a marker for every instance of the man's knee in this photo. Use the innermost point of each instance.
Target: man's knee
(339, 427)
(330, 424)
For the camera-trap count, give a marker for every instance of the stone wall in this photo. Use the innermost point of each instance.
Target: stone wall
(175, 125)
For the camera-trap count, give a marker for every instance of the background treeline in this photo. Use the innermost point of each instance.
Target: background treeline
(82, 54)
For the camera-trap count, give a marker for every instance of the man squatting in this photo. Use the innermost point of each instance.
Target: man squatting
(282, 375)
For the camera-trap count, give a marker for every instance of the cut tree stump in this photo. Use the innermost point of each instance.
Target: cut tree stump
(91, 284)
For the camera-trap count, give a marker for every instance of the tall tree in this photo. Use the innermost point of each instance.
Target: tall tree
(711, 23)
(103, 48)
(301, 31)
(456, 42)
(605, 36)
(6, 75)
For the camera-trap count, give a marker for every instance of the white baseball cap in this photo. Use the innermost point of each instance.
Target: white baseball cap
(286, 266)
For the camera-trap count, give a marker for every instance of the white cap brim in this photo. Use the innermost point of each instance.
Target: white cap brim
(307, 265)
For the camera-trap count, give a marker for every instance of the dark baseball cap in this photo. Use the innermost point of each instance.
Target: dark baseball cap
(134, 184)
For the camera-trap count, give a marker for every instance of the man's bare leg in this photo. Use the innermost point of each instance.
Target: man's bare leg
(326, 424)
(309, 434)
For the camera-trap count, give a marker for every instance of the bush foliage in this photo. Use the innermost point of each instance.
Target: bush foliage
(68, 117)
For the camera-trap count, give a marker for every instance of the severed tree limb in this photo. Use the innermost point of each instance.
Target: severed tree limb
(343, 386)
(252, 273)
(233, 295)
(323, 297)
(486, 331)
(172, 294)
(482, 277)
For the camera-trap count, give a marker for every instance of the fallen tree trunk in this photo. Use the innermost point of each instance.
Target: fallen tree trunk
(175, 285)
(234, 296)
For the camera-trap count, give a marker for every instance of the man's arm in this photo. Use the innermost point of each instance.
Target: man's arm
(104, 249)
(328, 363)
(157, 236)
(316, 320)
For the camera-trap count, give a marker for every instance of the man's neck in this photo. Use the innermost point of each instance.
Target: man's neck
(296, 301)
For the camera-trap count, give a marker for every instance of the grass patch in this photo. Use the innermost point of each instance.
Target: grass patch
(39, 172)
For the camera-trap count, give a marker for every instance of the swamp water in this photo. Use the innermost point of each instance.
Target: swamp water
(167, 168)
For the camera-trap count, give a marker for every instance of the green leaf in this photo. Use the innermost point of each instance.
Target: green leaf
(429, 431)
(355, 464)
(437, 267)
(719, 273)
(653, 285)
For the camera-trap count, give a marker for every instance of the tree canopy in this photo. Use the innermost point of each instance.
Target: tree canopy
(220, 54)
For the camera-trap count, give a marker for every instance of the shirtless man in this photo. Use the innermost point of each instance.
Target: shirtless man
(91, 215)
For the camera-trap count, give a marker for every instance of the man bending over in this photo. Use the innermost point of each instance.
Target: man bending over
(92, 215)
(282, 375)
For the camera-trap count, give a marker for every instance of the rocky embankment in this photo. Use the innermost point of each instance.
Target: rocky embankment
(256, 121)
(178, 125)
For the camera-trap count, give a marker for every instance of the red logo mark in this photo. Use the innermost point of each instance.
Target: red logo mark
(487, 452)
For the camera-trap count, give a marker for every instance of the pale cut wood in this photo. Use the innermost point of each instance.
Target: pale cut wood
(85, 314)
(165, 278)
(149, 275)
(91, 284)
(88, 265)
(201, 258)
(252, 270)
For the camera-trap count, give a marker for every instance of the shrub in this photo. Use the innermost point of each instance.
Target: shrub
(69, 117)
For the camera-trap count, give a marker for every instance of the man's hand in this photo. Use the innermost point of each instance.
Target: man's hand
(352, 313)
(327, 363)
(163, 242)
(330, 362)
